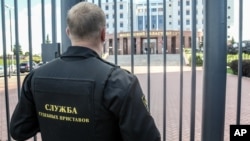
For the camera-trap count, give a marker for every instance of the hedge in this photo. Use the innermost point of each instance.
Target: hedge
(245, 67)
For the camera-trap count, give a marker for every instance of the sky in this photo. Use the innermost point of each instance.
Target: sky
(36, 23)
(246, 20)
(37, 27)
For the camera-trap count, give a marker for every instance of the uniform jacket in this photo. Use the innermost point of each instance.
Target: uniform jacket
(81, 97)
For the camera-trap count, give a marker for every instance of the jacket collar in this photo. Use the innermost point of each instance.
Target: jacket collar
(79, 51)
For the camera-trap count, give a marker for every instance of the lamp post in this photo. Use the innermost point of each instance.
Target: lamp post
(11, 62)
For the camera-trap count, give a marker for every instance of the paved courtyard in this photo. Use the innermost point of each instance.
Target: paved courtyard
(173, 92)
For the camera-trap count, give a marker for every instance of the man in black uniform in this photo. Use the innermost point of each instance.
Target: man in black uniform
(79, 96)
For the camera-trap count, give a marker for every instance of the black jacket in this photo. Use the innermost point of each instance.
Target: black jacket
(80, 97)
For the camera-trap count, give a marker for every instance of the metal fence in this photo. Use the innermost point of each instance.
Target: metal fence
(214, 67)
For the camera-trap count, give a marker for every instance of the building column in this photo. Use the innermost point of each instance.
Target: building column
(178, 45)
(130, 47)
(138, 45)
(120, 49)
(169, 44)
(160, 44)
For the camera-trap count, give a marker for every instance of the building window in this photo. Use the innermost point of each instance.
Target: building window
(170, 23)
(145, 21)
(121, 6)
(107, 25)
(106, 7)
(153, 9)
(140, 10)
(170, 16)
(107, 0)
(107, 16)
(153, 21)
(169, 5)
(140, 22)
(153, 4)
(179, 12)
(187, 22)
(187, 12)
(187, 2)
(121, 15)
(228, 17)
(160, 21)
(160, 4)
(160, 9)
(121, 24)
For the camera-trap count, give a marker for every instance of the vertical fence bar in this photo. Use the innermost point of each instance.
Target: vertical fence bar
(115, 30)
(214, 76)
(10, 26)
(53, 19)
(30, 34)
(181, 70)
(5, 69)
(148, 51)
(43, 21)
(164, 70)
(193, 86)
(239, 64)
(17, 49)
(132, 35)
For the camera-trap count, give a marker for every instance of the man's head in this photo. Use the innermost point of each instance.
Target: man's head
(86, 22)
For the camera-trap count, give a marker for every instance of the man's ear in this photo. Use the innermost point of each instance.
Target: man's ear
(103, 34)
(67, 31)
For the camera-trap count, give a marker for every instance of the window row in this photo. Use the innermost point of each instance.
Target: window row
(113, 16)
(111, 0)
(157, 22)
(107, 7)
(121, 25)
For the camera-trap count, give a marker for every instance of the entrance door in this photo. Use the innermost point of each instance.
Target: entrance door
(152, 46)
(173, 45)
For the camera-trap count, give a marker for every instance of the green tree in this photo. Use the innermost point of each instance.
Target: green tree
(232, 41)
(17, 48)
(47, 39)
(26, 53)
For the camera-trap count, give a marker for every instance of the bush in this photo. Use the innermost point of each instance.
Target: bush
(245, 67)
(199, 60)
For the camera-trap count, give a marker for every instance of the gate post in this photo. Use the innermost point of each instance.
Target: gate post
(65, 6)
(214, 78)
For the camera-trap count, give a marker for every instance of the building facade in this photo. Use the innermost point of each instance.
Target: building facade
(156, 23)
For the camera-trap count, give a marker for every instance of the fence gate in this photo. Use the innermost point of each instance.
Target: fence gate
(146, 38)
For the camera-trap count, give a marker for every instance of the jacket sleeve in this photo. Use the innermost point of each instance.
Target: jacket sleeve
(24, 122)
(124, 98)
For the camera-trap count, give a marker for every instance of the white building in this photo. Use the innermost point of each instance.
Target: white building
(156, 15)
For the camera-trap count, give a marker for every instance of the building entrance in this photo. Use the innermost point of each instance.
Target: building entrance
(152, 46)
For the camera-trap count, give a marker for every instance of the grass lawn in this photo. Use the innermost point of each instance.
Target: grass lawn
(229, 71)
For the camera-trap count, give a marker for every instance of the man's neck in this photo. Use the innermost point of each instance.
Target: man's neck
(89, 45)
